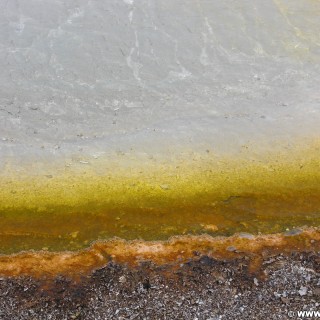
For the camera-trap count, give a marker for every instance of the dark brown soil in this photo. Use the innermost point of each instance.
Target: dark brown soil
(202, 288)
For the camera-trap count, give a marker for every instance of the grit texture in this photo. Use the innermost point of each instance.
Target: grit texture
(202, 288)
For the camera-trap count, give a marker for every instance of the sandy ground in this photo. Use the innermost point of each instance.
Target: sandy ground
(202, 288)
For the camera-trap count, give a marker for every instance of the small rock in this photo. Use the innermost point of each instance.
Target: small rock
(303, 291)
(316, 291)
(246, 235)
(285, 300)
(75, 316)
(256, 282)
(210, 227)
(74, 234)
(164, 186)
(293, 232)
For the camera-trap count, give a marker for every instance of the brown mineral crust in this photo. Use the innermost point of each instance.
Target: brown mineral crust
(176, 250)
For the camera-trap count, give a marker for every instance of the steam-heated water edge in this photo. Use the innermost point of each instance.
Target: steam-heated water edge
(72, 209)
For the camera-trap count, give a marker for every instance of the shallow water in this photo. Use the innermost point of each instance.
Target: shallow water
(70, 211)
(147, 119)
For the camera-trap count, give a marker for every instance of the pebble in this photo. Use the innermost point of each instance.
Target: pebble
(74, 234)
(303, 291)
(210, 227)
(293, 232)
(316, 291)
(246, 235)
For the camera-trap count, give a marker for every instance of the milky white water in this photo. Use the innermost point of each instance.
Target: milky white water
(95, 78)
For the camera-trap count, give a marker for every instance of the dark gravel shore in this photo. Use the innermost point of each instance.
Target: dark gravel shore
(202, 288)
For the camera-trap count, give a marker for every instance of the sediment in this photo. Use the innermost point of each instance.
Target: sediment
(199, 288)
(178, 249)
